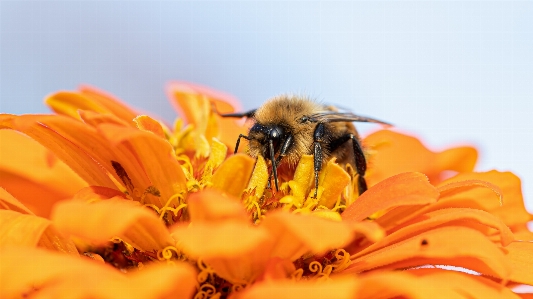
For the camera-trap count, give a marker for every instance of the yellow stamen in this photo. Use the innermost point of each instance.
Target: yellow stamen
(205, 271)
(169, 253)
(207, 291)
(343, 260)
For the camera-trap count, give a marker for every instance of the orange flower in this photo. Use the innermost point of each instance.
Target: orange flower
(133, 208)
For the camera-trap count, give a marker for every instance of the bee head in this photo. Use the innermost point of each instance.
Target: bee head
(266, 133)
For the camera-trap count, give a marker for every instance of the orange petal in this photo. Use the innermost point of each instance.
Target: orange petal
(233, 175)
(512, 211)
(51, 132)
(338, 288)
(409, 188)
(37, 273)
(155, 155)
(194, 103)
(430, 283)
(522, 233)
(104, 220)
(236, 252)
(393, 153)
(110, 102)
(28, 230)
(444, 246)
(8, 202)
(33, 174)
(401, 285)
(179, 91)
(85, 149)
(334, 180)
(69, 102)
(276, 269)
(520, 256)
(298, 234)
(94, 193)
(94, 119)
(212, 206)
(146, 123)
(475, 219)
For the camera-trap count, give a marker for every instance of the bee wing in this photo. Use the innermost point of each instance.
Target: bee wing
(332, 116)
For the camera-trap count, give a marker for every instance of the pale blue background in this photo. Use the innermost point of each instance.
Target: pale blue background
(450, 72)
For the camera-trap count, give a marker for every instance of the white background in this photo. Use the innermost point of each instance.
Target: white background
(450, 72)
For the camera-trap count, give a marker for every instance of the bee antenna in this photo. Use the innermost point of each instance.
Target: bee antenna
(273, 161)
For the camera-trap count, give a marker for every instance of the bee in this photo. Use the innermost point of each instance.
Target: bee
(287, 127)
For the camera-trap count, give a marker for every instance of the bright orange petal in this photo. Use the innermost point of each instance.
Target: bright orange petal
(106, 219)
(430, 283)
(233, 175)
(33, 173)
(20, 229)
(236, 252)
(520, 255)
(69, 102)
(8, 202)
(512, 211)
(195, 103)
(401, 285)
(94, 193)
(333, 179)
(296, 234)
(450, 245)
(393, 153)
(475, 219)
(94, 119)
(28, 230)
(110, 102)
(212, 206)
(523, 233)
(277, 269)
(51, 132)
(338, 288)
(155, 155)
(43, 274)
(409, 188)
(146, 123)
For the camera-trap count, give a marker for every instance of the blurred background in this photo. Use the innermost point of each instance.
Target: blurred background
(449, 72)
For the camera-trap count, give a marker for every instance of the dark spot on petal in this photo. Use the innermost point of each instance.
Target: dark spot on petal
(123, 175)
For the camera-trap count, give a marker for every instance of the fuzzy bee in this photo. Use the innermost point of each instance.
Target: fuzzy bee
(287, 127)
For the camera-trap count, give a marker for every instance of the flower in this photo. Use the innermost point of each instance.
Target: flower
(119, 204)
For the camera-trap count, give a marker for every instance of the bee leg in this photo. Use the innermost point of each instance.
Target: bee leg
(318, 136)
(273, 161)
(282, 153)
(284, 148)
(360, 161)
(239, 141)
(360, 164)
